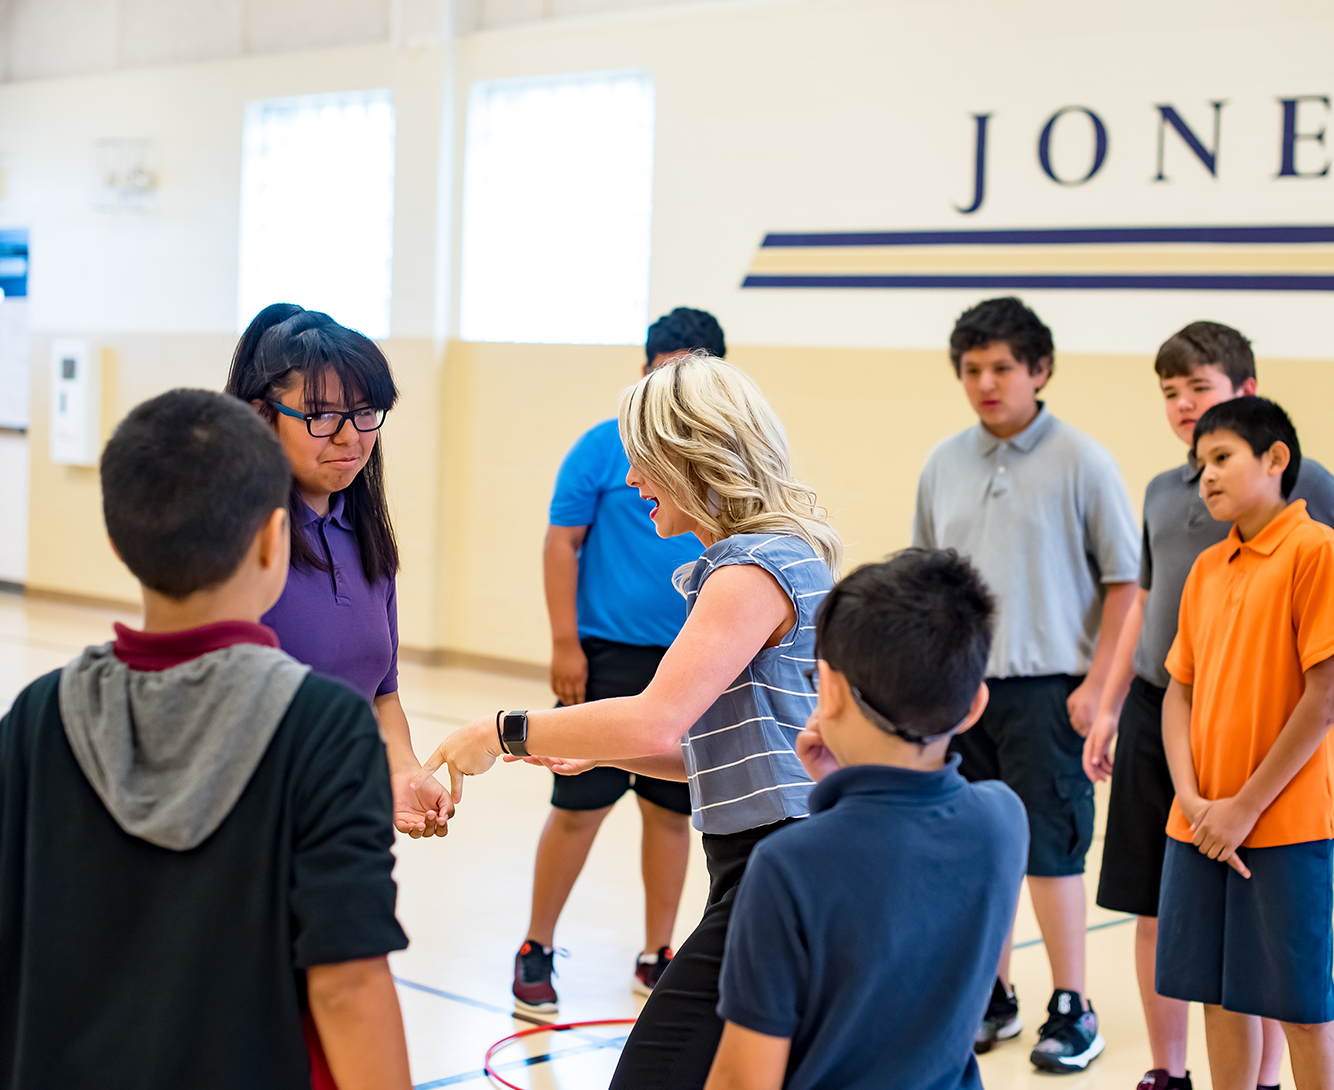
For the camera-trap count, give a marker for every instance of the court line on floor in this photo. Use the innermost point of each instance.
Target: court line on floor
(1093, 927)
(527, 1061)
(467, 1002)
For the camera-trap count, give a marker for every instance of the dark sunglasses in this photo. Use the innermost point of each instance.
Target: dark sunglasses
(327, 424)
(877, 718)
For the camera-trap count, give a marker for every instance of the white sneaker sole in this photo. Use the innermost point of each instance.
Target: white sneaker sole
(1011, 1029)
(1063, 1064)
(535, 1008)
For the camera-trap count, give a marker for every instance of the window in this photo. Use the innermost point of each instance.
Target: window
(557, 207)
(317, 207)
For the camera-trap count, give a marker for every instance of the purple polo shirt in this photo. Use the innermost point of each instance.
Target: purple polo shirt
(335, 621)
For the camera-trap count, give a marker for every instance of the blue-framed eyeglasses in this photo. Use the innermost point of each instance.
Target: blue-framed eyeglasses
(326, 424)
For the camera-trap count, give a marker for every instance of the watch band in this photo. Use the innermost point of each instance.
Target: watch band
(516, 746)
(500, 737)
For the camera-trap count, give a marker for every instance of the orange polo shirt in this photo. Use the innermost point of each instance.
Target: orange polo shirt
(1255, 616)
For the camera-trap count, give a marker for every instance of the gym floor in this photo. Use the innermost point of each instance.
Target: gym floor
(464, 900)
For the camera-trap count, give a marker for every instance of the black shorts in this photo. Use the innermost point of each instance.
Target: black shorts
(1025, 740)
(1142, 793)
(618, 669)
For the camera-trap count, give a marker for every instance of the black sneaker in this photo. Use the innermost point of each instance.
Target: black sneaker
(532, 978)
(1001, 1022)
(1068, 1040)
(649, 969)
(1159, 1079)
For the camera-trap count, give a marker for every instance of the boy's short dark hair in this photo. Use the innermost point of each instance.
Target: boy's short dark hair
(188, 478)
(685, 330)
(1261, 423)
(913, 634)
(1005, 320)
(1203, 343)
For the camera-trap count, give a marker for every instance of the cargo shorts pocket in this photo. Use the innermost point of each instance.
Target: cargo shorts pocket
(1076, 795)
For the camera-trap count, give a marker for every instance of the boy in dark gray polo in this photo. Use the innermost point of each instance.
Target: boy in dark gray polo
(1201, 366)
(1043, 513)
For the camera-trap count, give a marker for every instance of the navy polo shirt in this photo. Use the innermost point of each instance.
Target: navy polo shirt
(869, 933)
(335, 621)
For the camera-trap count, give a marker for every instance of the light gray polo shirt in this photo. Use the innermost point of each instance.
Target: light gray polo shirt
(1045, 517)
(1177, 528)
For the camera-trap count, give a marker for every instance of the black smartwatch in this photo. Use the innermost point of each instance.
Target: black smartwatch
(514, 733)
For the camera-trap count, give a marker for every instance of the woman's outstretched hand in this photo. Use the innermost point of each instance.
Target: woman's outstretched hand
(469, 751)
(562, 766)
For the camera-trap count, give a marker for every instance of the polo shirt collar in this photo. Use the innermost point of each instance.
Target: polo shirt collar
(1190, 472)
(1273, 535)
(337, 513)
(887, 781)
(1025, 441)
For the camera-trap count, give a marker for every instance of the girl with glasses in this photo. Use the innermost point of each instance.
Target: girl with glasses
(727, 701)
(325, 390)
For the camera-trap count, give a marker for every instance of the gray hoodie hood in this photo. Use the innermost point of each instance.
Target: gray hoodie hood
(169, 752)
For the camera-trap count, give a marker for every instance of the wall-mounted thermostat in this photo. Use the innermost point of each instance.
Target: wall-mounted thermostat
(76, 404)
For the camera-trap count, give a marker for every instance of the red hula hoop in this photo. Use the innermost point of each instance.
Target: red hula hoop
(555, 1028)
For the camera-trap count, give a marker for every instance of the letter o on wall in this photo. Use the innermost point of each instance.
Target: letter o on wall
(1099, 145)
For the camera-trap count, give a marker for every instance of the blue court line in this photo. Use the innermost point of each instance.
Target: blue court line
(528, 1061)
(489, 1007)
(1094, 927)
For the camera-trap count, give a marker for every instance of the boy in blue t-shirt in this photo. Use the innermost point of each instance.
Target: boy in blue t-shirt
(614, 612)
(863, 945)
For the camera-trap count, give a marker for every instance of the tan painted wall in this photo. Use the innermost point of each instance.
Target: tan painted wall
(473, 449)
(860, 421)
(68, 549)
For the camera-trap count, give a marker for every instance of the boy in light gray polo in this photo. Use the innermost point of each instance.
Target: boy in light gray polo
(1042, 512)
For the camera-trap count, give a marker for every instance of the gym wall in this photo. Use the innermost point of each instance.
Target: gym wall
(784, 117)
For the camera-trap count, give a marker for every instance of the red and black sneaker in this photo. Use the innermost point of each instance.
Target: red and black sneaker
(532, 978)
(649, 969)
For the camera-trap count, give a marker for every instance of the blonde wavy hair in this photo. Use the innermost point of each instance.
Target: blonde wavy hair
(702, 430)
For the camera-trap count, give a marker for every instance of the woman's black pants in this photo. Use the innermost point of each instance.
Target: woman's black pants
(672, 1045)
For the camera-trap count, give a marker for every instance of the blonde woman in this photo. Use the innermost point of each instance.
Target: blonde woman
(724, 709)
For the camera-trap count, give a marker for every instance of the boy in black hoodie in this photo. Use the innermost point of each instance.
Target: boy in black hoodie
(195, 832)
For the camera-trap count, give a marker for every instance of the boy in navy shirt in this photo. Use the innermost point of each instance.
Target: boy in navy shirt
(903, 881)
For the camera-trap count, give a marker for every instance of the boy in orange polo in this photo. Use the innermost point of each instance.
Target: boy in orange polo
(1244, 922)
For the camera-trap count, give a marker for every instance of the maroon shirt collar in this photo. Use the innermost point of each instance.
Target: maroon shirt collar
(150, 651)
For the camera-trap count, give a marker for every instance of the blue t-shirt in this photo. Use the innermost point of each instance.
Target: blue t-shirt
(625, 568)
(869, 933)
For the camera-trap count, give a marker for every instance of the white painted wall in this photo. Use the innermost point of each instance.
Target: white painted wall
(856, 116)
(14, 505)
(171, 266)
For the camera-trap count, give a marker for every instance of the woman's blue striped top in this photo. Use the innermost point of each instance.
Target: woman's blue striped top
(739, 756)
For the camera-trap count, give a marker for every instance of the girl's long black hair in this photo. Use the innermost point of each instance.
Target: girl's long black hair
(285, 341)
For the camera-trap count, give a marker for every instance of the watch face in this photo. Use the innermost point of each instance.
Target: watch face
(515, 727)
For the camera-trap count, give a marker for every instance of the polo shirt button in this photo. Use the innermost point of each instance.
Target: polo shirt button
(1002, 469)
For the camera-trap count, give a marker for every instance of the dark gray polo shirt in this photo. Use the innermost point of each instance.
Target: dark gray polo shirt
(1046, 519)
(1177, 528)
